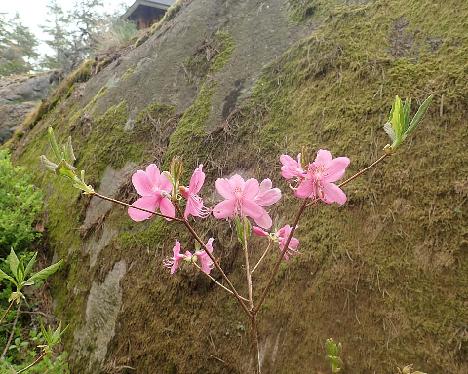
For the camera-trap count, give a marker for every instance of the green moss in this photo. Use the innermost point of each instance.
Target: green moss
(385, 273)
(210, 57)
(151, 234)
(186, 140)
(128, 73)
(226, 45)
(108, 144)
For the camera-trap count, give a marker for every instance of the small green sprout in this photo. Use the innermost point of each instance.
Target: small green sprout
(399, 125)
(52, 337)
(243, 229)
(65, 158)
(19, 274)
(333, 355)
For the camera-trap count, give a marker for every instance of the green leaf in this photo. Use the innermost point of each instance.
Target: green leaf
(30, 264)
(48, 164)
(4, 275)
(54, 144)
(13, 262)
(419, 114)
(44, 273)
(243, 229)
(68, 152)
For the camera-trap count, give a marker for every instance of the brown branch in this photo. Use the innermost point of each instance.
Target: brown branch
(380, 159)
(219, 284)
(135, 207)
(247, 268)
(12, 333)
(294, 226)
(278, 262)
(37, 360)
(262, 257)
(6, 312)
(197, 238)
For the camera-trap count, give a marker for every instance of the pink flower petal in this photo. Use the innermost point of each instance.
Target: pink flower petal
(167, 208)
(176, 249)
(209, 245)
(265, 185)
(306, 189)
(269, 197)
(264, 220)
(251, 209)
(333, 194)
(289, 166)
(225, 209)
(197, 180)
(153, 174)
(141, 183)
(336, 169)
(164, 183)
(193, 207)
(236, 181)
(259, 232)
(224, 188)
(323, 157)
(146, 202)
(251, 188)
(293, 244)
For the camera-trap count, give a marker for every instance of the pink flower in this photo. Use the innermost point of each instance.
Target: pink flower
(206, 263)
(291, 168)
(283, 235)
(259, 232)
(318, 182)
(246, 198)
(174, 262)
(154, 189)
(195, 205)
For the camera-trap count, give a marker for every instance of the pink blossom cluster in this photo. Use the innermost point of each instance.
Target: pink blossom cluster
(241, 198)
(316, 180)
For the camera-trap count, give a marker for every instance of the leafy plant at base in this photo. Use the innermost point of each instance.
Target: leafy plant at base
(333, 355)
(21, 275)
(20, 204)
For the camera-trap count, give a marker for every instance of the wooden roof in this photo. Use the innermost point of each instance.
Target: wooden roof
(158, 4)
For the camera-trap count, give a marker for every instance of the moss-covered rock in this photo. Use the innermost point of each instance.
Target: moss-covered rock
(385, 275)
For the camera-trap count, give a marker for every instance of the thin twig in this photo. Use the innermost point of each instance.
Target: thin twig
(247, 267)
(12, 333)
(135, 207)
(280, 258)
(380, 159)
(37, 360)
(6, 312)
(219, 284)
(296, 220)
(256, 343)
(197, 238)
(262, 257)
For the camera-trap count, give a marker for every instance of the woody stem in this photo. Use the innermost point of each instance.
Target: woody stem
(229, 283)
(303, 206)
(247, 266)
(219, 284)
(134, 207)
(262, 257)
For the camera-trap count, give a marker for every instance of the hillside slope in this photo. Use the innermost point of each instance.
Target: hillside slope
(233, 84)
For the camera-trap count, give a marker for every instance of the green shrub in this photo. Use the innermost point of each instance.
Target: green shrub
(20, 204)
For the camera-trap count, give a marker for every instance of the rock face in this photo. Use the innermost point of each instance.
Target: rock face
(18, 96)
(232, 85)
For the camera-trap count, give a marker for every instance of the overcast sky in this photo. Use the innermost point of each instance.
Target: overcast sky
(34, 13)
